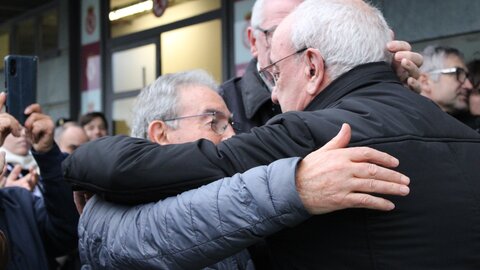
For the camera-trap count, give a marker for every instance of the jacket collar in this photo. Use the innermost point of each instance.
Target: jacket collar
(360, 76)
(254, 92)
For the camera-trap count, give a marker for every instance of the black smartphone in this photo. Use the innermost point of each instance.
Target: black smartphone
(21, 84)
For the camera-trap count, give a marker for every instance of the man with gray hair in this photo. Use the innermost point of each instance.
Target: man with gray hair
(248, 96)
(206, 225)
(444, 79)
(327, 70)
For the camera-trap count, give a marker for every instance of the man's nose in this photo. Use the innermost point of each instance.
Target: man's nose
(273, 96)
(467, 84)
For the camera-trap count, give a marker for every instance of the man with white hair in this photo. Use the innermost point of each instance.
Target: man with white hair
(329, 66)
(248, 97)
(205, 225)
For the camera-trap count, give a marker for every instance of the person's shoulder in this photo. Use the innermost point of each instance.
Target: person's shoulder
(230, 86)
(15, 192)
(16, 196)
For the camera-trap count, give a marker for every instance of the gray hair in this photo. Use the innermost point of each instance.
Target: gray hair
(346, 35)
(434, 58)
(160, 99)
(257, 13)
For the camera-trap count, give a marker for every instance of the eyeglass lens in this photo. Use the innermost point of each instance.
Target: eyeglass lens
(462, 75)
(268, 78)
(220, 123)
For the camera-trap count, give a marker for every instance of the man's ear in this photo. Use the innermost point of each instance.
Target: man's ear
(157, 132)
(253, 41)
(314, 71)
(425, 84)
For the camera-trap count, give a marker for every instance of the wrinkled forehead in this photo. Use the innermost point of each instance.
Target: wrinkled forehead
(281, 40)
(274, 11)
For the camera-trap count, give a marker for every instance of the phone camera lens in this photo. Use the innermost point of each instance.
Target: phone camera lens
(13, 68)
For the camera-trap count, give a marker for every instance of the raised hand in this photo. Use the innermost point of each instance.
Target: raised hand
(406, 63)
(40, 128)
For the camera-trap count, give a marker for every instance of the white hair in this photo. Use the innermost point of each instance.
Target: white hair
(434, 58)
(346, 34)
(257, 14)
(159, 100)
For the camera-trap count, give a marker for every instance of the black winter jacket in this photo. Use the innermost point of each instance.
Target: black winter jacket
(435, 227)
(248, 98)
(38, 230)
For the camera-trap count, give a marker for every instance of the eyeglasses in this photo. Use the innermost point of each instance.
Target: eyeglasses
(460, 73)
(219, 123)
(268, 33)
(270, 78)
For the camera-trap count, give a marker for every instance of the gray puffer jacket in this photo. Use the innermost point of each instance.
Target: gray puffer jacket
(195, 229)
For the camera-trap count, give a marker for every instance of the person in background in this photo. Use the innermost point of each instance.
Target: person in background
(444, 79)
(21, 167)
(70, 136)
(473, 120)
(37, 230)
(95, 125)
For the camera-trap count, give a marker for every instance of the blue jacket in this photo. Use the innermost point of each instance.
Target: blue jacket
(38, 230)
(195, 229)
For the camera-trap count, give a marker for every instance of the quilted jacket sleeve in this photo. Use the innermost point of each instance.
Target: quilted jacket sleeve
(196, 228)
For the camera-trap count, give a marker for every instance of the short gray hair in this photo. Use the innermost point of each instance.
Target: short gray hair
(257, 13)
(160, 99)
(345, 35)
(434, 58)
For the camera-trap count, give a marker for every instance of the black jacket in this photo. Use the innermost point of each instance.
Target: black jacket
(435, 227)
(248, 98)
(470, 120)
(38, 230)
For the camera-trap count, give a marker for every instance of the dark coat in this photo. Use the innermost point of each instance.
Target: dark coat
(248, 98)
(470, 120)
(38, 230)
(435, 227)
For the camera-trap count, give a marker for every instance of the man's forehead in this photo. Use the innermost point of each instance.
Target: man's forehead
(198, 100)
(281, 39)
(454, 60)
(276, 10)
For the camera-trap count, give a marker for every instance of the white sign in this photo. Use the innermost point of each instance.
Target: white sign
(90, 21)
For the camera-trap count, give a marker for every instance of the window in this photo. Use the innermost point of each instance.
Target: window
(4, 46)
(49, 32)
(25, 37)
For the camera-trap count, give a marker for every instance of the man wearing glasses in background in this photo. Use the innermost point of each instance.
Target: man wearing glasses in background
(248, 97)
(444, 79)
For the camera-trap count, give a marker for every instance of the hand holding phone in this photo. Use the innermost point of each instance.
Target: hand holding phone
(21, 84)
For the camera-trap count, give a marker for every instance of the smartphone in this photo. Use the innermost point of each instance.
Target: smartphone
(21, 84)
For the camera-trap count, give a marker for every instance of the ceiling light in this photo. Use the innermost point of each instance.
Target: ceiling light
(130, 10)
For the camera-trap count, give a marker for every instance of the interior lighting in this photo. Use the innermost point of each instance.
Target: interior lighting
(130, 10)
